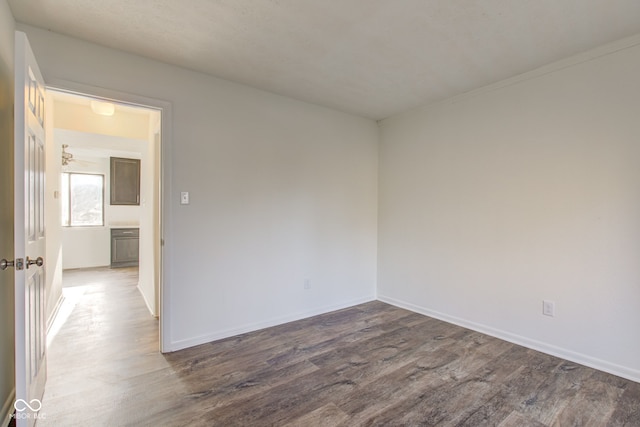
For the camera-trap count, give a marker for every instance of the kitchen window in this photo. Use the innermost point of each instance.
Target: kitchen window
(82, 198)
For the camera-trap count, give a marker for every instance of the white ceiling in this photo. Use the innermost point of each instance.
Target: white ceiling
(85, 101)
(94, 145)
(373, 58)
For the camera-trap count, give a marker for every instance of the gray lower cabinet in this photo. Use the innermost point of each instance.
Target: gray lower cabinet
(125, 247)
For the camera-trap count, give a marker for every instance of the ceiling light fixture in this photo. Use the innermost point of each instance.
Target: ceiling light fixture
(103, 108)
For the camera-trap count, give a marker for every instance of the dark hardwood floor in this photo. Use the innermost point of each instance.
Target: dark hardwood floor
(369, 365)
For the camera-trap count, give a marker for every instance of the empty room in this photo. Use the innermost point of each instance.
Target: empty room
(365, 212)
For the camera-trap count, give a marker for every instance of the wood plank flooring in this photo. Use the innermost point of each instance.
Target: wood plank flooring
(369, 365)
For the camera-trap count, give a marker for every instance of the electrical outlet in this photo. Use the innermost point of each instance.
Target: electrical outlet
(548, 308)
(307, 284)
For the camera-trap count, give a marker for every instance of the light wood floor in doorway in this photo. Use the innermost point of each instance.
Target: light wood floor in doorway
(372, 364)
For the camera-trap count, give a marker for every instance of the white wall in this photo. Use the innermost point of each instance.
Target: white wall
(281, 191)
(148, 272)
(524, 191)
(53, 214)
(7, 389)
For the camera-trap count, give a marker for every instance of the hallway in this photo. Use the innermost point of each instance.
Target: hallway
(106, 343)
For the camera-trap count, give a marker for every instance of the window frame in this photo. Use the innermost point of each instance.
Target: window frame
(69, 212)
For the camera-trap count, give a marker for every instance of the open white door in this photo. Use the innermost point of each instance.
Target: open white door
(29, 234)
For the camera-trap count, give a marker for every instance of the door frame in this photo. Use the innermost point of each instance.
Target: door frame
(164, 297)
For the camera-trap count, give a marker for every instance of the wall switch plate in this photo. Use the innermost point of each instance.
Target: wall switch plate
(548, 308)
(184, 198)
(307, 284)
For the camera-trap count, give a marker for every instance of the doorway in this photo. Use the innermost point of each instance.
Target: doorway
(85, 133)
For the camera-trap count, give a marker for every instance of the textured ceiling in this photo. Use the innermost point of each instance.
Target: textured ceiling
(373, 58)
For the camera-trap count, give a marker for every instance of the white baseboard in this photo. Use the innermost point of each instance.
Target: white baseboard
(190, 342)
(144, 297)
(7, 408)
(563, 353)
(52, 318)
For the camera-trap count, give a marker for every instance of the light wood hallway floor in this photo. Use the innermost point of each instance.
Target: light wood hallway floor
(373, 364)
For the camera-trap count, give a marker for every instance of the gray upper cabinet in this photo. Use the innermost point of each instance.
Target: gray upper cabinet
(125, 181)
